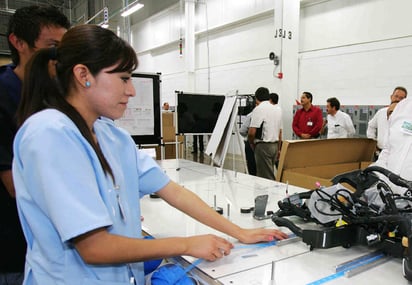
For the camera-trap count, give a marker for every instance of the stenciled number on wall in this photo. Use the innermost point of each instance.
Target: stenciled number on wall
(281, 33)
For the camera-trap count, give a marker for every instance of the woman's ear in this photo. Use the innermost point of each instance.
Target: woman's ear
(82, 75)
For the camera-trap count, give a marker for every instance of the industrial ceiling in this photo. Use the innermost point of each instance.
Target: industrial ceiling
(83, 11)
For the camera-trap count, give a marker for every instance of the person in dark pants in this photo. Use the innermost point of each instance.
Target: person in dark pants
(265, 133)
(249, 153)
(250, 159)
(196, 139)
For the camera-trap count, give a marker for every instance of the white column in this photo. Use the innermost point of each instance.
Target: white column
(286, 33)
(189, 44)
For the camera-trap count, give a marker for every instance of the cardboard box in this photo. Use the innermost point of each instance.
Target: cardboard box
(169, 137)
(168, 127)
(170, 148)
(305, 162)
(168, 118)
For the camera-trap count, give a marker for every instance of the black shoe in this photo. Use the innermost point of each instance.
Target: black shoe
(195, 151)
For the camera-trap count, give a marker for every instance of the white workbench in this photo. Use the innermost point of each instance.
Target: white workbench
(292, 261)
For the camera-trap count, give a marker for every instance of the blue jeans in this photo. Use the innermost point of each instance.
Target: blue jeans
(15, 278)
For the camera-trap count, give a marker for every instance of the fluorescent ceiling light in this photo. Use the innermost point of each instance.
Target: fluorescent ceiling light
(132, 8)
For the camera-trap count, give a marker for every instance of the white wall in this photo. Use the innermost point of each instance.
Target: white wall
(233, 53)
(337, 23)
(356, 50)
(363, 74)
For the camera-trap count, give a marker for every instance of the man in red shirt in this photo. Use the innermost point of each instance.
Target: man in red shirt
(308, 120)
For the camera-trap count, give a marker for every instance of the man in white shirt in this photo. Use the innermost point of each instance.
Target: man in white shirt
(339, 123)
(396, 155)
(378, 125)
(274, 99)
(267, 118)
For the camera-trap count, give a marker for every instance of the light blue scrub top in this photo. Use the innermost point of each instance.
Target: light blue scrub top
(62, 192)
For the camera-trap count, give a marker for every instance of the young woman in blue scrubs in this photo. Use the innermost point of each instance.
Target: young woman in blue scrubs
(79, 177)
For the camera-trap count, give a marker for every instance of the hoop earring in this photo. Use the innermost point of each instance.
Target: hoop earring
(87, 84)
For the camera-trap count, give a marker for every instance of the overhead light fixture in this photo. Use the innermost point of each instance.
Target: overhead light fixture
(130, 9)
(105, 23)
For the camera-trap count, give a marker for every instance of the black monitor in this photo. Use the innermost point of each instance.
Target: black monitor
(197, 113)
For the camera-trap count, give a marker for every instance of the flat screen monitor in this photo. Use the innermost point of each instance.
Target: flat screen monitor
(198, 113)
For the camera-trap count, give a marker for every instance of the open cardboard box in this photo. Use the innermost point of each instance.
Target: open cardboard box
(305, 162)
(170, 139)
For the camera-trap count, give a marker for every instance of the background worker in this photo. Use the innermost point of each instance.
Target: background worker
(166, 106)
(274, 99)
(396, 155)
(308, 120)
(339, 123)
(264, 133)
(378, 125)
(198, 140)
(249, 152)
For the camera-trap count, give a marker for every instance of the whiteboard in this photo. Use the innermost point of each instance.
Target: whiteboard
(219, 141)
(142, 115)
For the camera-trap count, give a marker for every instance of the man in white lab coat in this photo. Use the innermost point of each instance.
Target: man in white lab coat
(378, 125)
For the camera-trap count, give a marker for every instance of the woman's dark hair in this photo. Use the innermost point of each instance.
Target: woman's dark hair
(95, 47)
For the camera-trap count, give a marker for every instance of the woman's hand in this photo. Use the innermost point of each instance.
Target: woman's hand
(260, 235)
(209, 247)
